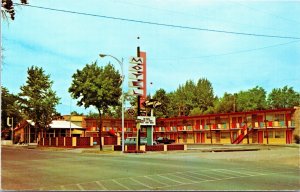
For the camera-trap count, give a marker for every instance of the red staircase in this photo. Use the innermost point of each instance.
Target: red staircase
(244, 133)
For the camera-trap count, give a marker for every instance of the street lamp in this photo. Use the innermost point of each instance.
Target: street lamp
(122, 96)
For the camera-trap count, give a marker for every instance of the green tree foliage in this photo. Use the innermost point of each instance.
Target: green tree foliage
(7, 6)
(204, 94)
(9, 108)
(172, 108)
(161, 96)
(37, 99)
(225, 104)
(97, 86)
(252, 99)
(76, 113)
(188, 99)
(185, 97)
(284, 97)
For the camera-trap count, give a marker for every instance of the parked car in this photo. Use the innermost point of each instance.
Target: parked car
(132, 141)
(164, 140)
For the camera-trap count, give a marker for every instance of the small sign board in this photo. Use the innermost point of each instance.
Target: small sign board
(131, 112)
(146, 120)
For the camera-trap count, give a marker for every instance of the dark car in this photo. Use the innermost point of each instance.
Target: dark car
(164, 140)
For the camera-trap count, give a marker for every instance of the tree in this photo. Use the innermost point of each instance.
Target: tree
(162, 96)
(252, 99)
(97, 86)
(204, 94)
(225, 104)
(75, 113)
(37, 99)
(9, 108)
(283, 98)
(7, 6)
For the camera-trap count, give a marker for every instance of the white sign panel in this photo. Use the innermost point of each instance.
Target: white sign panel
(136, 68)
(136, 92)
(136, 76)
(146, 120)
(137, 60)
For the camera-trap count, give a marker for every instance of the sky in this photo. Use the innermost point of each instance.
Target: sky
(63, 42)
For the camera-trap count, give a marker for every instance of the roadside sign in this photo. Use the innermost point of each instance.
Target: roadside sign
(136, 60)
(131, 112)
(146, 120)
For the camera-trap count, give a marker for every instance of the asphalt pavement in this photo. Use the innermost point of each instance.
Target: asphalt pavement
(269, 168)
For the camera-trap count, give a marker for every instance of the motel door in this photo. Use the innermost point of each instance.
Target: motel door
(289, 136)
(184, 137)
(202, 137)
(218, 136)
(198, 138)
(260, 136)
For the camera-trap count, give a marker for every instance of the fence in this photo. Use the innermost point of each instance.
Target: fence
(66, 142)
(76, 141)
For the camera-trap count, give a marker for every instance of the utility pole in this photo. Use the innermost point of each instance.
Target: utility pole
(138, 109)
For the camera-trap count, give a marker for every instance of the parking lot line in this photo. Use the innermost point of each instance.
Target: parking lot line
(240, 173)
(134, 180)
(181, 178)
(170, 179)
(80, 187)
(100, 185)
(225, 171)
(120, 184)
(196, 173)
(189, 175)
(155, 180)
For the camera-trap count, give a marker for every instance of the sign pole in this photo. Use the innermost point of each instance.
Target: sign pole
(138, 109)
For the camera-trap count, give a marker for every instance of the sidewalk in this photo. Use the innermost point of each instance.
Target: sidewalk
(191, 147)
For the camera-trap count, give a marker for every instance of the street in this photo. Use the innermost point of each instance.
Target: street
(274, 168)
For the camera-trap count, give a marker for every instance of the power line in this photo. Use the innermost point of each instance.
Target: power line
(161, 24)
(229, 53)
(264, 12)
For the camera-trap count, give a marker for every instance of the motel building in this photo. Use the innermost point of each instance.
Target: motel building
(277, 126)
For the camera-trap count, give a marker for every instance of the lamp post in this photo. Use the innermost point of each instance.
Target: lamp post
(122, 96)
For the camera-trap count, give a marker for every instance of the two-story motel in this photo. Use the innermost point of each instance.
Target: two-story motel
(275, 126)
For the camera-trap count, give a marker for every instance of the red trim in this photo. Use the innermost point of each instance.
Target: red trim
(225, 114)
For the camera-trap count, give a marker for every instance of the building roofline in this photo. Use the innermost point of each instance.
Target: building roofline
(227, 114)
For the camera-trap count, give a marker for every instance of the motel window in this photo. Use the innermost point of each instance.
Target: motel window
(208, 135)
(270, 134)
(270, 117)
(225, 135)
(190, 136)
(279, 117)
(279, 134)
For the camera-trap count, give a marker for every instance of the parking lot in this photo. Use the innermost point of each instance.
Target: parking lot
(270, 168)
